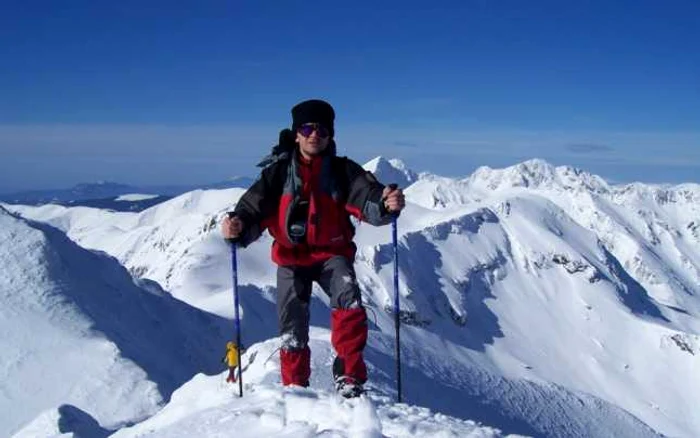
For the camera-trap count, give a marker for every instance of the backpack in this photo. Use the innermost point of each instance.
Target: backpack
(285, 147)
(281, 151)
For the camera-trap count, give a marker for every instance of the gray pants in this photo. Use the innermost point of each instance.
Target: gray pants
(336, 276)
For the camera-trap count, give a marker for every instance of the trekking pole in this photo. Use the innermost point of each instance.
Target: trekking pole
(234, 271)
(397, 321)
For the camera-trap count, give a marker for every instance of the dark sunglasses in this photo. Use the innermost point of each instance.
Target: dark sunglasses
(308, 128)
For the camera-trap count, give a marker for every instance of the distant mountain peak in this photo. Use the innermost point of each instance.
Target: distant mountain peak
(538, 173)
(391, 171)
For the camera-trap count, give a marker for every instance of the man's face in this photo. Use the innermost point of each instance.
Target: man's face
(313, 139)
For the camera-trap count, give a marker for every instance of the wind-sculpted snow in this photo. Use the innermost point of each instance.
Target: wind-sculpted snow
(469, 389)
(535, 299)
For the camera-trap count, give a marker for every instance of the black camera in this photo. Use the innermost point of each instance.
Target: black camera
(298, 218)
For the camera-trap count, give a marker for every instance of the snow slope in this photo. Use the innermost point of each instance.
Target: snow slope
(535, 299)
(80, 334)
(207, 406)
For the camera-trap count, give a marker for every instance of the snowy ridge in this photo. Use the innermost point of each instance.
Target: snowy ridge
(536, 174)
(77, 319)
(535, 299)
(436, 192)
(207, 406)
(653, 230)
(157, 243)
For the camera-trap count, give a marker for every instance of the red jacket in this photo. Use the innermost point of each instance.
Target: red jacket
(334, 188)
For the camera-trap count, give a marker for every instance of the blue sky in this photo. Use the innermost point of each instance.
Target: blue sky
(165, 92)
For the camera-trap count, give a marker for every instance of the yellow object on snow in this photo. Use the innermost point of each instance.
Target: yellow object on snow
(231, 354)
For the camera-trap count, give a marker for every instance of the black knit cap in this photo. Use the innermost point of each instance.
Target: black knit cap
(313, 111)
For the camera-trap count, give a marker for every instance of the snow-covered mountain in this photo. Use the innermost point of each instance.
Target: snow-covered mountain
(536, 299)
(392, 171)
(79, 331)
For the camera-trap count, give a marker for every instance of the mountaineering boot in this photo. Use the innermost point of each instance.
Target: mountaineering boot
(345, 385)
(348, 387)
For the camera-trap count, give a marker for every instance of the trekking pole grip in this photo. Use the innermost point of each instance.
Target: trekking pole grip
(392, 187)
(232, 240)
